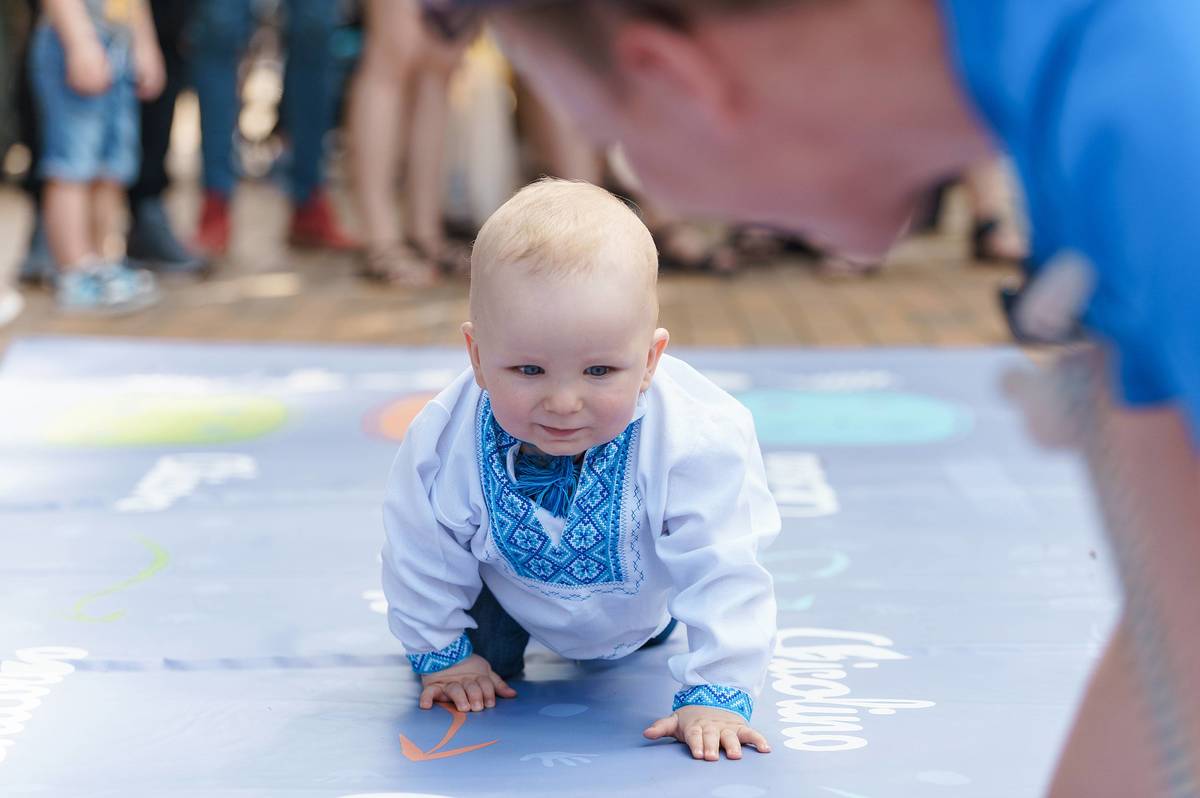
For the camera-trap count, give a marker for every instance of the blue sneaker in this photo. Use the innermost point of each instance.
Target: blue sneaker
(106, 289)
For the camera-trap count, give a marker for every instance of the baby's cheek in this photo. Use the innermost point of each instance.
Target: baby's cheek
(510, 416)
(617, 412)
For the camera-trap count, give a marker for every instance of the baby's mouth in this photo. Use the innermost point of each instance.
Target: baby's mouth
(560, 432)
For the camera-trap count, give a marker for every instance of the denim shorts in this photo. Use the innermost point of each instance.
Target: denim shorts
(85, 138)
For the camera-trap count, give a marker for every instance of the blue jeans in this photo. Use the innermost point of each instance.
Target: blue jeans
(501, 640)
(219, 34)
(85, 138)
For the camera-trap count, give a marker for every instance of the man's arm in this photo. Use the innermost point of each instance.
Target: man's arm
(1138, 731)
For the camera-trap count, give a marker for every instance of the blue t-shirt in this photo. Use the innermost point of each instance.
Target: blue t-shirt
(1098, 102)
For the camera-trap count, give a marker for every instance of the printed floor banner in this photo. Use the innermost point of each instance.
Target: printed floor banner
(190, 598)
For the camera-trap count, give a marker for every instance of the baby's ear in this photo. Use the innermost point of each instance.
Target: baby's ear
(468, 331)
(657, 344)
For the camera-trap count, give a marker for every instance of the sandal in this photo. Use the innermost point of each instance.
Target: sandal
(453, 257)
(684, 246)
(397, 265)
(762, 243)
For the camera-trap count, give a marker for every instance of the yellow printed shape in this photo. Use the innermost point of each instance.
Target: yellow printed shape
(160, 561)
(156, 420)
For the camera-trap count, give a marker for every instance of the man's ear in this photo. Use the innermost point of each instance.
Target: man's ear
(671, 65)
(468, 331)
(657, 345)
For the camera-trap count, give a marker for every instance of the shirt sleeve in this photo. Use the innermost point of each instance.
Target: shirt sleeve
(430, 576)
(719, 512)
(1130, 184)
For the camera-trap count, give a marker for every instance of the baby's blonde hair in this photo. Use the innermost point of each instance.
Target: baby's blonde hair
(559, 228)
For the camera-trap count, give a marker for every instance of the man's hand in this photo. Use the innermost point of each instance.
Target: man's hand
(470, 685)
(706, 730)
(88, 70)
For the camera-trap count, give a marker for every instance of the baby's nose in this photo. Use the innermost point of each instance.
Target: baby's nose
(564, 401)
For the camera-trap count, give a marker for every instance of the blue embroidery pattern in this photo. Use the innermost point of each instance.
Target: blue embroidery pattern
(549, 481)
(591, 554)
(715, 695)
(439, 660)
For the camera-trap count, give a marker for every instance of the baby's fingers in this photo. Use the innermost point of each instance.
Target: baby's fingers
(502, 688)
(663, 727)
(749, 736)
(712, 744)
(693, 738)
(430, 694)
(729, 741)
(475, 695)
(455, 692)
(489, 692)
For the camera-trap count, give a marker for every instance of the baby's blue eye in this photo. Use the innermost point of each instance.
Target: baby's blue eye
(530, 371)
(597, 371)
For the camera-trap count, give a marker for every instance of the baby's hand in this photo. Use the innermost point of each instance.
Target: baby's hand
(148, 70)
(706, 730)
(470, 685)
(88, 70)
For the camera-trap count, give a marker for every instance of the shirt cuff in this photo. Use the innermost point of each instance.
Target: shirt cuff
(441, 659)
(715, 695)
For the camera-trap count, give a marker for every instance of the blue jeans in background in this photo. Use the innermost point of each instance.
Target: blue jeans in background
(219, 34)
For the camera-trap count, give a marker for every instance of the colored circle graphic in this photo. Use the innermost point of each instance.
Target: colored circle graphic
(140, 420)
(851, 418)
(391, 421)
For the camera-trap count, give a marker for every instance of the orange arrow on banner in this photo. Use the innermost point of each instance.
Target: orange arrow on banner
(415, 753)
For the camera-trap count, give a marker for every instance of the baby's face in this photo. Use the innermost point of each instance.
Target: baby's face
(564, 359)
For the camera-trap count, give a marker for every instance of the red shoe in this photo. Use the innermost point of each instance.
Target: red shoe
(212, 234)
(315, 226)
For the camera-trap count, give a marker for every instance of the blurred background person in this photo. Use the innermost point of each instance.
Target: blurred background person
(219, 35)
(398, 118)
(90, 62)
(11, 301)
(152, 242)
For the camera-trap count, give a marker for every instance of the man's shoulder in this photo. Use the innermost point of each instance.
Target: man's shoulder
(1037, 70)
